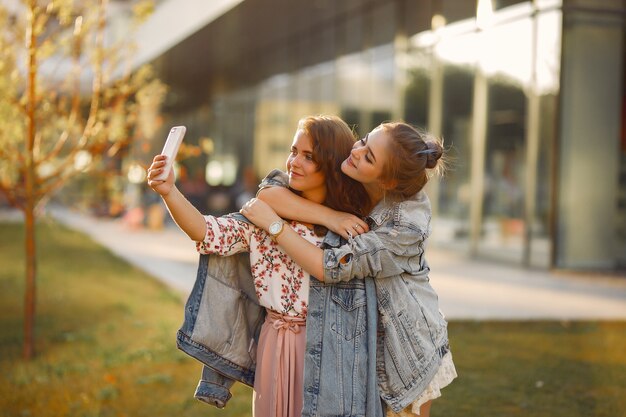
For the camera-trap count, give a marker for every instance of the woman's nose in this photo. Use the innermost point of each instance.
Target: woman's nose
(295, 160)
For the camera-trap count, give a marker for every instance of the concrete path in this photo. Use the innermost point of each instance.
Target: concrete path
(468, 289)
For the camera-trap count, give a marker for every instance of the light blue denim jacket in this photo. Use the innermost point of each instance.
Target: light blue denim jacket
(413, 336)
(223, 320)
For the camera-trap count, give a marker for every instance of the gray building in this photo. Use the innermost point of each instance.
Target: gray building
(529, 97)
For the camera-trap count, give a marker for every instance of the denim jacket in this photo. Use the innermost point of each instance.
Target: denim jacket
(223, 321)
(413, 334)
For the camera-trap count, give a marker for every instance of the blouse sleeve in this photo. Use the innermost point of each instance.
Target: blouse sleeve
(225, 236)
(380, 253)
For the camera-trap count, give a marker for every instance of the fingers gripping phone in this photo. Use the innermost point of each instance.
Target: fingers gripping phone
(174, 139)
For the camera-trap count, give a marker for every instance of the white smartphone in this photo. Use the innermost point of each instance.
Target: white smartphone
(174, 138)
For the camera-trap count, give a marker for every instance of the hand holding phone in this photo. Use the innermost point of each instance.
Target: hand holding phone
(174, 139)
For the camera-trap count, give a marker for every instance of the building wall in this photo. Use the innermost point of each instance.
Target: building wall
(515, 112)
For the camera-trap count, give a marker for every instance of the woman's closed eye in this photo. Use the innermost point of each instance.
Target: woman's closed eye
(363, 142)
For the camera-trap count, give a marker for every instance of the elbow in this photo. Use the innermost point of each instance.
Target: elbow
(269, 194)
(320, 275)
(198, 232)
(196, 238)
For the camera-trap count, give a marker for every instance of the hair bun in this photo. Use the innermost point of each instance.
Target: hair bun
(434, 153)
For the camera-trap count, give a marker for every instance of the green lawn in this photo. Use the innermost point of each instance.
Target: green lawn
(106, 347)
(105, 336)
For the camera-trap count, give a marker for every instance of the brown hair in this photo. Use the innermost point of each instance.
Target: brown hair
(332, 142)
(411, 154)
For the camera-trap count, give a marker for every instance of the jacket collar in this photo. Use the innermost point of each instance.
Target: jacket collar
(411, 207)
(238, 216)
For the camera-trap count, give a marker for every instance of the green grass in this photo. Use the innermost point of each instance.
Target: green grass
(106, 347)
(538, 368)
(105, 336)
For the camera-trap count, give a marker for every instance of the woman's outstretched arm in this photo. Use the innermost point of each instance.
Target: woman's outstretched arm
(186, 216)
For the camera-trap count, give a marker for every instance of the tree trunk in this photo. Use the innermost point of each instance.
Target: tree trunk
(30, 198)
(30, 292)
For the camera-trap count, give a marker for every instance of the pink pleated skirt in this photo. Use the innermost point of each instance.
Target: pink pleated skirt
(278, 382)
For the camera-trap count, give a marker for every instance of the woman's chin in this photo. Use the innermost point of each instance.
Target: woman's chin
(294, 185)
(347, 169)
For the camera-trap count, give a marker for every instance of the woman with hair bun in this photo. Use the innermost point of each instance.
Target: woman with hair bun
(393, 162)
(282, 287)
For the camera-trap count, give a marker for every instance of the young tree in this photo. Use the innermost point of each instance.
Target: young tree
(65, 103)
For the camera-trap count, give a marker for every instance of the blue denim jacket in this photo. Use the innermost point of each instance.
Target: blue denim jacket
(223, 321)
(413, 334)
(413, 337)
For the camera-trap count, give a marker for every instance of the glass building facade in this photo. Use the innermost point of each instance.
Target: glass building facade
(527, 95)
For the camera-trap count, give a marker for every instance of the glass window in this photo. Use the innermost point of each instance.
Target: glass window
(352, 86)
(382, 22)
(503, 200)
(416, 97)
(546, 90)
(506, 63)
(439, 97)
(353, 34)
(273, 124)
(454, 190)
(365, 85)
(382, 94)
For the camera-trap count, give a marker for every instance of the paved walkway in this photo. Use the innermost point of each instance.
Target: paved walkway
(468, 289)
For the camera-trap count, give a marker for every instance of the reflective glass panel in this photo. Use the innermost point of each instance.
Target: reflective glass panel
(506, 59)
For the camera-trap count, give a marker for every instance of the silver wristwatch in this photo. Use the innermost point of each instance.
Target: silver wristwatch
(275, 229)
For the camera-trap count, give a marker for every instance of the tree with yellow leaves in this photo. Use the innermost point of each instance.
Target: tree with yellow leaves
(67, 99)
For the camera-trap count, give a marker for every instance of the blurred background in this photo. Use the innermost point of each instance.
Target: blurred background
(530, 220)
(529, 97)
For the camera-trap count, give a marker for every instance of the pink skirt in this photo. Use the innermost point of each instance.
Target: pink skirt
(278, 382)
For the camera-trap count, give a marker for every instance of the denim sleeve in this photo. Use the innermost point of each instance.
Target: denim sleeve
(213, 388)
(381, 253)
(276, 178)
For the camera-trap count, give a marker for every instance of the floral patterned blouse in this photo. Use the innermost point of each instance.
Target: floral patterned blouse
(281, 284)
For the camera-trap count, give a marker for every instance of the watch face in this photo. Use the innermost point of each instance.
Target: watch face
(275, 227)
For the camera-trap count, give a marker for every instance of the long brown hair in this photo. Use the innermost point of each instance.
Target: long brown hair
(413, 155)
(332, 142)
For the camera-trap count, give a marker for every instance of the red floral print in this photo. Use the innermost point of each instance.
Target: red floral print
(279, 282)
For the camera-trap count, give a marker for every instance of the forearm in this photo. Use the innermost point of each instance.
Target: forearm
(186, 216)
(303, 252)
(291, 206)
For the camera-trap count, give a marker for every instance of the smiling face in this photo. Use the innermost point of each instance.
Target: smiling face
(367, 161)
(304, 173)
